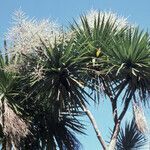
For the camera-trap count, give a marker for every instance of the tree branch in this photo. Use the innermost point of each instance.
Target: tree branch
(113, 141)
(114, 111)
(94, 124)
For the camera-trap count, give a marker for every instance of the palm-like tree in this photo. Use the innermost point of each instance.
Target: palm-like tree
(51, 90)
(129, 73)
(121, 63)
(54, 94)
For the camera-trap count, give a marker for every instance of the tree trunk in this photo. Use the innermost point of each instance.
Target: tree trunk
(94, 124)
(113, 141)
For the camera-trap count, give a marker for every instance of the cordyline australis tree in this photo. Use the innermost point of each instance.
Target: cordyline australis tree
(46, 72)
(122, 53)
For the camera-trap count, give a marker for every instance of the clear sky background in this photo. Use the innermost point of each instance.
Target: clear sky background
(137, 11)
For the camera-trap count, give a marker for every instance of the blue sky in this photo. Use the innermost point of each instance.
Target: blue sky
(64, 11)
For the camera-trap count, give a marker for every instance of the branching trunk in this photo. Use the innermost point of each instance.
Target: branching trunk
(94, 124)
(116, 129)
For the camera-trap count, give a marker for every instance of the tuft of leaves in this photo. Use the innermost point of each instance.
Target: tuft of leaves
(130, 138)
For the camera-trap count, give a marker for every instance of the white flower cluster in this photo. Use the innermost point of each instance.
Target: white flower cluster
(26, 34)
(118, 21)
